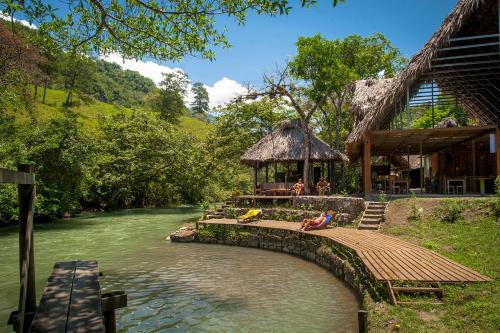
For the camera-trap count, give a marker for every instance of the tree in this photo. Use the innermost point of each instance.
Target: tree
(170, 100)
(165, 30)
(306, 82)
(200, 99)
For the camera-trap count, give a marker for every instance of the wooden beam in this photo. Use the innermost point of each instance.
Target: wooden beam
(497, 149)
(16, 177)
(421, 170)
(27, 292)
(367, 165)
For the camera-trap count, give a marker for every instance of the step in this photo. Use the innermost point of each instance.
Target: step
(380, 206)
(362, 226)
(220, 210)
(375, 211)
(373, 216)
(371, 220)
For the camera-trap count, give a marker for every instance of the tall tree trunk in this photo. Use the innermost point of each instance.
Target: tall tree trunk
(68, 99)
(307, 153)
(44, 91)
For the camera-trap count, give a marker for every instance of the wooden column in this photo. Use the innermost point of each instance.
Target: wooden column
(367, 165)
(267, 174)
(421, 170)
(255, 179)
(27, 294)
(497, 149)
(276, 172)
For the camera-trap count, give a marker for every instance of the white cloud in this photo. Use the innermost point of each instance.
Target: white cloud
(23, 22)
(224, 91)
(148, 69)
(220, 93)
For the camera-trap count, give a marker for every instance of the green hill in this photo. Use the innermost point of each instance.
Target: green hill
(91, 111)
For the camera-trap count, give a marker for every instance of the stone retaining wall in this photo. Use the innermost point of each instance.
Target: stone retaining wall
(339, 259)
(289, 215)
(349, 205)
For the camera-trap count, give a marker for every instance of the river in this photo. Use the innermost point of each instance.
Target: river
(176, 287)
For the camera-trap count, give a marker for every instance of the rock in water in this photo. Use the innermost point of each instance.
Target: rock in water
(184, 236)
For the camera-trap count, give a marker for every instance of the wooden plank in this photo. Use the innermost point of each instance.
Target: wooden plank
(85, 313)
(16, 177)
(52, 314)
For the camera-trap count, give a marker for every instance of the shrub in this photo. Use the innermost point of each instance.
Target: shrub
(415, 210)
(496, 205)
(382, 197)
(450, 210)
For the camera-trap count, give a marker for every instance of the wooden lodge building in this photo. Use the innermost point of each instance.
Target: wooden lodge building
(459, 67)
(277, 159)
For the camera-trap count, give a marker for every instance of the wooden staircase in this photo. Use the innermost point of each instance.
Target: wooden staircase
(373, 216)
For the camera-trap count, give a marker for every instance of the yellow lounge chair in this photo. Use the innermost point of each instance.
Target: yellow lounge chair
(251, 215)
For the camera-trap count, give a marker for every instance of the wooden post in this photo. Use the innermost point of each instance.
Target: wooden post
(276, 172)
(421, 170)
(367, 165)
(255, 179)
(27, 294)
(362, 321)
(267, 174)
(473, 164)
(497, 149)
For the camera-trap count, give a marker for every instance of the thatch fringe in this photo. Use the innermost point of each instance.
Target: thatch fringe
(420, 63)
(286, 143)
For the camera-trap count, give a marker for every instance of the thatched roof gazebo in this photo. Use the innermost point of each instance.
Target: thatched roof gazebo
(285, 145)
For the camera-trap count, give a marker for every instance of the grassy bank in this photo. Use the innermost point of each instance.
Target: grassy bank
(472, 241)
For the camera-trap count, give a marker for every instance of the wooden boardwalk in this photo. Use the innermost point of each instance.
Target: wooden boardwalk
(387, 258)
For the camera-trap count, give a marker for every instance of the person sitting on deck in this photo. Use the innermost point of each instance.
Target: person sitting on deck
(321, 222)
(323, 187)
(298, 188)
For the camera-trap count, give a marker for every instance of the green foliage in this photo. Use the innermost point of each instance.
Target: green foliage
(239, 126)
(170, 100)
(112, 84)
(200, 99)
(382, 197)
(415, 210)
(163, 30)
(496, 203)
(467, 307)
(450, 210)
(8, 203)
(423, 115)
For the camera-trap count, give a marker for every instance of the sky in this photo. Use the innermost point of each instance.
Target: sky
(265, 42)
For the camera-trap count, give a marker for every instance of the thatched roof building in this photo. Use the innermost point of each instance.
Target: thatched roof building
(461, 60)
(366, 94)
(286, 144)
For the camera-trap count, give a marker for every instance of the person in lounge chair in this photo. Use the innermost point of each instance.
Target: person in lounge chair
(298, 188)
(321, 222)
(323, 187)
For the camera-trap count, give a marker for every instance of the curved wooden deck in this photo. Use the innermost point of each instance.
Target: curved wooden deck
(388, 258)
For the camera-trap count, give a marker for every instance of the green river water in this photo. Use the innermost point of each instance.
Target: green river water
(176, 287)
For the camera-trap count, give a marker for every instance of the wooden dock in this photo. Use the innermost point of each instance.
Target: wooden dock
(387, 258)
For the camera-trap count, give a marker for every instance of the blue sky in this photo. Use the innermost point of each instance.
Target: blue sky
(265, 41)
